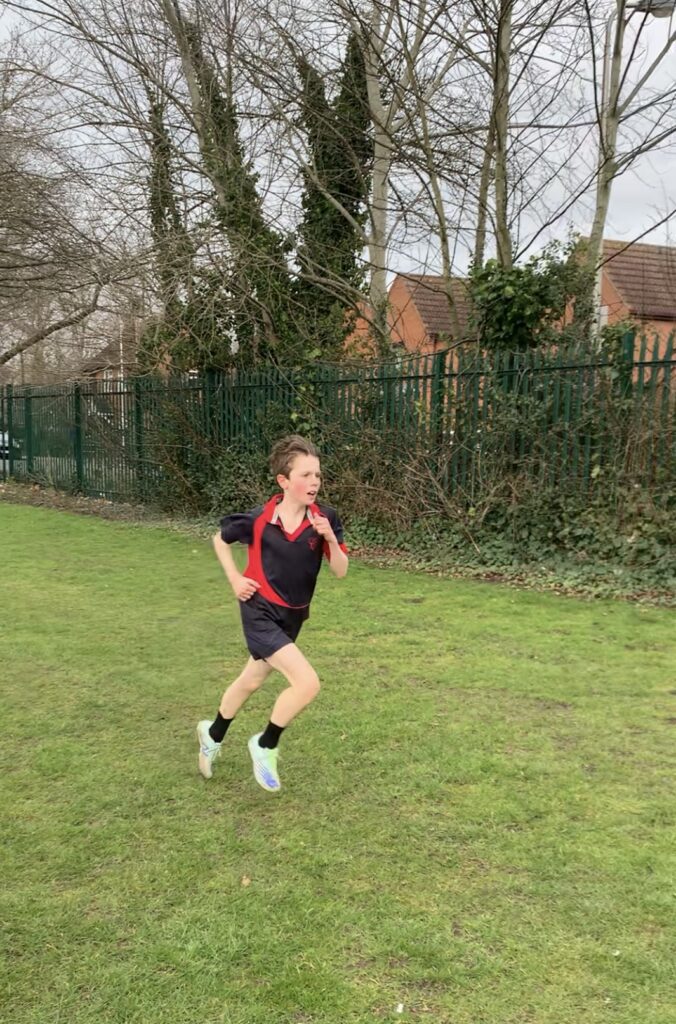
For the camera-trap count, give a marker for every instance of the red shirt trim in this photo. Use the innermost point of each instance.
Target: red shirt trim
(254, 566)
(327, 549)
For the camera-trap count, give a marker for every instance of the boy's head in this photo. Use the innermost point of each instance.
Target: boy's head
(295, 465)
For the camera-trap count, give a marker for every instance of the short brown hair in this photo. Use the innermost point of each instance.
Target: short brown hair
(285, 451)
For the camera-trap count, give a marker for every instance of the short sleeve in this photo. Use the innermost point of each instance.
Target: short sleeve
(238, 527)
(336, 525)
(337, 528)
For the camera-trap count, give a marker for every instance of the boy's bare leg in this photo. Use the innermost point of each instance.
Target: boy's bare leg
(302, 689)
(210, 734)
(303, 684)
(252, 676)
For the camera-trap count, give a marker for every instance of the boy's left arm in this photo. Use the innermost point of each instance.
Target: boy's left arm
(338, 560)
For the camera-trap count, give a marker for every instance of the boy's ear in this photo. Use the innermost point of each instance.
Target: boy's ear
(281, 480)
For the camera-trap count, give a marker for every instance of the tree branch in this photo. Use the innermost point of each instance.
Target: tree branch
(59, 325)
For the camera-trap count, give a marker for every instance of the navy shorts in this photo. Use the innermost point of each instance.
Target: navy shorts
(269, 627)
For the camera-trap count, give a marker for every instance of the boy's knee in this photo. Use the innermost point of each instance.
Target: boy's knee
(311, 685)
(250, 683)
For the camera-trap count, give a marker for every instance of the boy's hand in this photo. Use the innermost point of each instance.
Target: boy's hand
(243, 587)
(323, 528)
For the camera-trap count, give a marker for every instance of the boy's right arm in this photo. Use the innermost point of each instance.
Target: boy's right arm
(243, 587)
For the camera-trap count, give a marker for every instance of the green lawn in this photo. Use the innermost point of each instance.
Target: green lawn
(477, 819)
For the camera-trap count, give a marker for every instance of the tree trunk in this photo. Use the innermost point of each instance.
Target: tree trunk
(172, 14)
(440, 212)
(59, 325)
(607, 165)
(500, 122)
(382, 160)
(484, 188)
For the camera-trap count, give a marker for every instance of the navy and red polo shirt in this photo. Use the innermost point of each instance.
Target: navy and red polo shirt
(286, 565)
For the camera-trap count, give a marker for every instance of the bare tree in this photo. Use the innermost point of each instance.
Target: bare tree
(627, 104)
(98, 82)
(482, 120)
(45, 248)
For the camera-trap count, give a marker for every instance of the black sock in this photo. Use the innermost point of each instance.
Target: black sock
(219, 727)
(270, 738)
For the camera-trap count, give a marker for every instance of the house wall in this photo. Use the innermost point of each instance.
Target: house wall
(405, 323)
(613, 308)
(358, 342)
(656, 331)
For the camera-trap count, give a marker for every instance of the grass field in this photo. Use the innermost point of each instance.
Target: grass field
(477, 821)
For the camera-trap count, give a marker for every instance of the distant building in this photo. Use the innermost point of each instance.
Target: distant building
(638, 283)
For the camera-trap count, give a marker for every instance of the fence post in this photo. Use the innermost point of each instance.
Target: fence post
(209, 392)
(437, 396)
(626, 370)
(77, 436)
(9, 393)
(138, 435)
(28, 431)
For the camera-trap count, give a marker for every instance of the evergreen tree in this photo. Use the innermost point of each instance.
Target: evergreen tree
(193, 330)
(336, 189)
(259, 280)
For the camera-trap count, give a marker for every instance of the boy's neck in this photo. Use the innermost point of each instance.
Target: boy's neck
(291, 507)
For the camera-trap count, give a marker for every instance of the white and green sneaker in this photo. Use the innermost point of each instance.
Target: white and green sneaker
(209, 750)
(264, 765)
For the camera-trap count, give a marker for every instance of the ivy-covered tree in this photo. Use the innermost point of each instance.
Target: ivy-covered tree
(173, 248)
(522, 307)
(277, 315)
(330, 237)
(194, 328)
(259, 280)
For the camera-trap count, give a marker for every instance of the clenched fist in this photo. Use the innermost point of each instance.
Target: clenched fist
(323, 527)
(243, 587)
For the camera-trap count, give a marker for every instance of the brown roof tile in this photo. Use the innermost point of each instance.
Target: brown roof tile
(108, 358)
(428, 295)
(645, 277)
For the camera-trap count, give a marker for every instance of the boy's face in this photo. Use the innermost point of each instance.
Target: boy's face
(304, 479)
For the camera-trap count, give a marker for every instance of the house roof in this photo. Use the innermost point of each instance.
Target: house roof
(644, 276)
(108, 358)
(429, 297)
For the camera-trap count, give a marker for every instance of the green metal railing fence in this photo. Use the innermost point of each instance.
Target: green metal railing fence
(563, 418)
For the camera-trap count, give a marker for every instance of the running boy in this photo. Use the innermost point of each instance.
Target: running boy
(287, 539)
